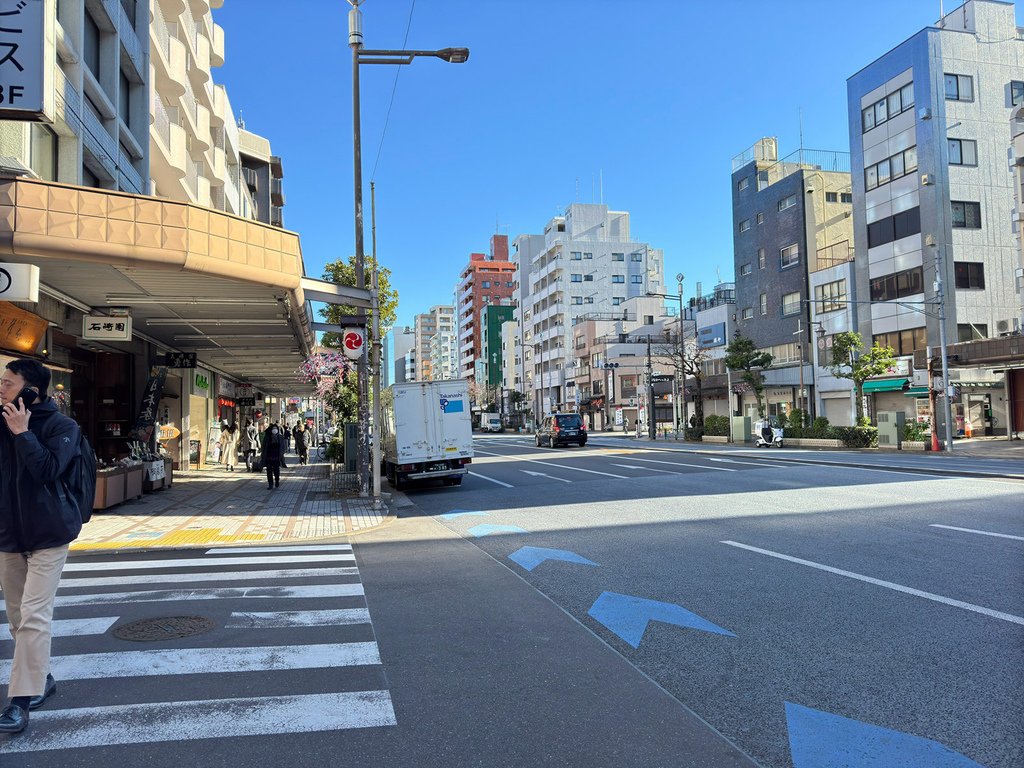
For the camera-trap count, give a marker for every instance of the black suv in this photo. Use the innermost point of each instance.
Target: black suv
(562, 429)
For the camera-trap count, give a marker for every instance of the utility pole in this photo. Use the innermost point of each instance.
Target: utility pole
(375, 350)
(651, 426)
(800, 346)
(947, 407)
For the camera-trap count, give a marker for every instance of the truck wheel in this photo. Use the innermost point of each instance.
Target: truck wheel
(400, 483)
(453, 480)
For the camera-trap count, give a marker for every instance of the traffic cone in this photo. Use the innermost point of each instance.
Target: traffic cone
(968, 428)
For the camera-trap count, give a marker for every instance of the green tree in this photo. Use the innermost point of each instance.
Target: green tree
(743, 355)
(850, 361)
(342, 399)
(344, 273)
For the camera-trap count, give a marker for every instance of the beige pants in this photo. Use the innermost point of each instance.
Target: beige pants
(30, 583)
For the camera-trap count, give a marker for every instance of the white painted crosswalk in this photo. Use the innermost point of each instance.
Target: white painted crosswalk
(311, 619)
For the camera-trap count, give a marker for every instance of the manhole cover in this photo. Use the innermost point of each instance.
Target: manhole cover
(165, 628)
(317, 495)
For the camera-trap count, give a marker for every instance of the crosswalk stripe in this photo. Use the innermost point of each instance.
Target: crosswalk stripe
(215, 718)
(208, 562)
(271, 550)
(71, 627)
(158, 578)
(195, 661)
(269, 620)
(149, 596)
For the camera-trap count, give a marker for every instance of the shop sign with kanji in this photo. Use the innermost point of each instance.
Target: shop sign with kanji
(104, 328)
(27, 53)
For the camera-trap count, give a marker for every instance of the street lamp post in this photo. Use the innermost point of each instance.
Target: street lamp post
(360, 56)
(681, 378)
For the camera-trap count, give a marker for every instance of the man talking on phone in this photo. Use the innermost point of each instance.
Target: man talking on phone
(37, 523)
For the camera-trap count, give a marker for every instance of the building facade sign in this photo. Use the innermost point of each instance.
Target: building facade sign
(20, 331)
(27, 55)
(106, 328)
(711, 336)
(201, 382)
(225, 387)
(19, 282)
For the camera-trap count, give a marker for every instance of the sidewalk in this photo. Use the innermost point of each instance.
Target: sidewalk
(216, 507)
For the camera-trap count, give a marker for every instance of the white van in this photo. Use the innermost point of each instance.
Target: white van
(490, 422)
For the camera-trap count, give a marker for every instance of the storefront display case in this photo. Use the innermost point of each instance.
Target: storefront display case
(133, 482)
(110, 487)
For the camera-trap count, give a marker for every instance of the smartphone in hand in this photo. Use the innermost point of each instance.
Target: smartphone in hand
(27, 397)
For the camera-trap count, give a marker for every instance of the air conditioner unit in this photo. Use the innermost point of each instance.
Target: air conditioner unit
(927, 179)
(924, 113)
(929, 239)
(1002, 326)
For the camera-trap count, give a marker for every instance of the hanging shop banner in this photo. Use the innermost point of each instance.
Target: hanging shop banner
(19, 282)
(352, 342)
(104, 328)
(201, 382)
(245, 395)
(225, 387)
(20, 331)
(180, 359)
(27, 42)
(146, 420)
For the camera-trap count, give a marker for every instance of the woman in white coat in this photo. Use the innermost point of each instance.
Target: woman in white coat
(229, 447)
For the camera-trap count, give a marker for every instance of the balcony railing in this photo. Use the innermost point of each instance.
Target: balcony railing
(130, 39)
(161, 121)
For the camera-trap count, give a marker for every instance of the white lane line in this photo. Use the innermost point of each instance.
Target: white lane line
(71, 627)
(275, 619)
(543, 474)
(126, 565)
(751, 463)
(491, 479)
(189, 578)
(649, 469)
(305, 591)
(887, 584)
(683, 464)
(203, 661)
(983, 533)
(210, 719)
(272, 550)
(577, 469)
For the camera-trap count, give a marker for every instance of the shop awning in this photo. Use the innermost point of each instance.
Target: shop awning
(916, 392)
(885, 385)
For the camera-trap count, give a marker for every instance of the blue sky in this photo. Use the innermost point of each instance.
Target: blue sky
(655, 96)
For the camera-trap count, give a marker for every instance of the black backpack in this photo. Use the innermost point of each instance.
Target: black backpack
(79, 478)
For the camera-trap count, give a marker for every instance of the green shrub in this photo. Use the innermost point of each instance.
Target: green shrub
(916, 431)
(694, 433)
(717, 426)
(821, 429)
(336, 450)
(857, 437)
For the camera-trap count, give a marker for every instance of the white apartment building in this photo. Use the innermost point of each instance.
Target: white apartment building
(586, 262)
(933, 189)
(440, 319)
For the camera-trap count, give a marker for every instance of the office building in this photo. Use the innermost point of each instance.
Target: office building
(486, 279)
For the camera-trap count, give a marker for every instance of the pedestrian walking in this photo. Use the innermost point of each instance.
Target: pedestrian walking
(300, 444)
(250, 442)
(287, 435)
(228, 446)
(39, 518)
(272, 455)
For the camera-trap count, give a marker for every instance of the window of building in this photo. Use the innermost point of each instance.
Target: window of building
(743, 183)
(616, 300)
(760, 218)
(966, 215)
(576, 256)
(618, 278)
(510, 284)
(588, 299)
(899, 285)
(618, 257)
(636, 257)
(124, 98)
(43, 151)
(894, 227)
(886, 109)
(1016, 93)
(587, 255)
(636, 279)
(891, 168)
(745, 269)
(748, 313)
(969, 274)
(760, 258)
(903, 342)
(577, 299)
(744, 225)
(485, 284)
(588, 278)
(959, 88)
(763, 301)
(791, 304)
(831, 197)
(787, 202)
(790, 255)
(91, 44)
(963, 152)
(89, 179)
(847, 197)
(971, 331)
(576, 278)
(830, 297)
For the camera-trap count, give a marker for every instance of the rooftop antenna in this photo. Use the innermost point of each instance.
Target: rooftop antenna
(718, 274)
(801, 133)
(602, 185)
(241, 120)
(577, 189)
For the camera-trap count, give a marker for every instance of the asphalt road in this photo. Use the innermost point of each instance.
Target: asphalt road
(883, 606)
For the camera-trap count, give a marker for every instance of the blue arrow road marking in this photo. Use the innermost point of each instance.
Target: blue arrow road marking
(627, 616)
(822, 740)
(488, 529)
(460, 512)
(530, 557)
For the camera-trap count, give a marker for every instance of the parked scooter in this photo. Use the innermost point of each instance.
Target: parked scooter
(768, 432)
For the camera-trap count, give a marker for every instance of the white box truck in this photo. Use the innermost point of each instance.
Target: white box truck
(490, 422)
(427, 432)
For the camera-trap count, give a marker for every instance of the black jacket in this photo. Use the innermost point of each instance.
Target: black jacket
(32, 514)
(272, 451)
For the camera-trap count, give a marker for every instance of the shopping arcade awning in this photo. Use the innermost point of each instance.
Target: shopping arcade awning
(885, 385)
